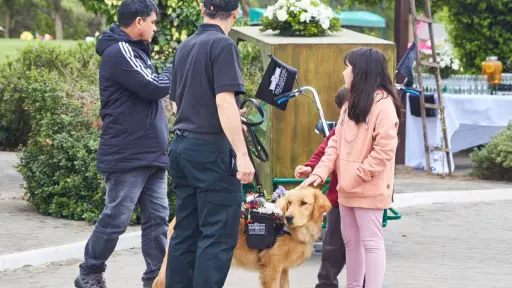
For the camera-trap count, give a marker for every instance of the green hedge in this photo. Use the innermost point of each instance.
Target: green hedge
(77, 66)
(494, 160)
(50, 103)
(49, 107)
(479, 29)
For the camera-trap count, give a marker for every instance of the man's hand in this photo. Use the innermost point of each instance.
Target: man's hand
(313, 179)
(245, 169)
(302, 172)
(229, 116)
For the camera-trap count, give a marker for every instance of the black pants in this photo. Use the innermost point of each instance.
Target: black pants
(333, 252)
(208, 201)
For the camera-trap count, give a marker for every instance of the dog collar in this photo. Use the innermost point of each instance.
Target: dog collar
(284, 231)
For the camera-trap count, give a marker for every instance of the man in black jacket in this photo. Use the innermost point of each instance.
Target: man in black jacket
(132, 155)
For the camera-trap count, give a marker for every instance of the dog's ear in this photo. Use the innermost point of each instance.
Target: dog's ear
(282, 203)
(322, 204)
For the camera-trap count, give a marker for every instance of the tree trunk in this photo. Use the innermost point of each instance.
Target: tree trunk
(402, 11)
(245, 8)
(7, 23)
(58, 26)
(103, 23)
(57, 18)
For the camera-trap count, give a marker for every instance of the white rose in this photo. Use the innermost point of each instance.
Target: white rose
(269, 12)
(303, 4)
(443, 63)
(325, 12)
(281, 3)
(307, 17)
(456, 64)
(313, 11)
(325, 24)
(282, 15)
(302, 17)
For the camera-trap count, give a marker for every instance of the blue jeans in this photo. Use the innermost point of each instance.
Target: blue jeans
(208, 201)
(148, 188)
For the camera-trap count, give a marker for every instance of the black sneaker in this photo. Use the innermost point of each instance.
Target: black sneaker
(90, 281)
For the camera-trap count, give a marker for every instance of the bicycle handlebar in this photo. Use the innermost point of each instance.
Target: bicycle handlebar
(316, 100)
(408, 90)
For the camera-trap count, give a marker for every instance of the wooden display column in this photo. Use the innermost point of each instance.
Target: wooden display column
(290, 137)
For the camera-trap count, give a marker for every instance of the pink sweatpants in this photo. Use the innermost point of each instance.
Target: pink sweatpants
(364, 244)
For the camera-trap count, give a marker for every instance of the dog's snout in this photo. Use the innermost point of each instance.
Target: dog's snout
(289, 218)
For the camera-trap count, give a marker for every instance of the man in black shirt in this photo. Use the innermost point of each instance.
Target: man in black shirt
(208, 158)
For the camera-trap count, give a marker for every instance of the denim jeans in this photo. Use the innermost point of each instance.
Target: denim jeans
(148, 188)
(208, 201)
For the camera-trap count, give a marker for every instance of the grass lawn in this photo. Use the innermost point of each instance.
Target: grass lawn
(9, 47)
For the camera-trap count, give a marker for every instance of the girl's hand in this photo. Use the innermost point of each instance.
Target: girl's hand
(302, 172)
(313, 179)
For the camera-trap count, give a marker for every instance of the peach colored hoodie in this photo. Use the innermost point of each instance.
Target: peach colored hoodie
(364, 155)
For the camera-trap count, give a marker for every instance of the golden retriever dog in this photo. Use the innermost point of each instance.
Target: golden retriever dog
(303, 213)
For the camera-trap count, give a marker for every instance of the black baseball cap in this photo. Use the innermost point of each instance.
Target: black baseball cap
(226, 6)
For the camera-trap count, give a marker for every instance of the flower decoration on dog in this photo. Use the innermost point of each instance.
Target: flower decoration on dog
(256, 203)
(300, 18)
(263, 221)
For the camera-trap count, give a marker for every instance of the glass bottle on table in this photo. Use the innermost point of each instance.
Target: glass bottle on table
(492, 68)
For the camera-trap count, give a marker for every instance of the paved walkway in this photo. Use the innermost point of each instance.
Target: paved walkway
(438, 246)
(10, 179)
(25, 229)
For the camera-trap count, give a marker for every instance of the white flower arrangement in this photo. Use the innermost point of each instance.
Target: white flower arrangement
(304, 17)
(255, 202)
(447, 59)
(270, 208)
(448, 63)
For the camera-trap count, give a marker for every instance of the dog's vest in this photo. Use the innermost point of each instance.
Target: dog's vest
(262, 231)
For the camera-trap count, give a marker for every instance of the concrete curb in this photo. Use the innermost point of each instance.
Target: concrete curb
(463, 196)
(132, 240)
(60, 253)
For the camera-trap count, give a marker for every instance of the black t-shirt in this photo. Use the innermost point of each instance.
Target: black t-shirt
(205, 64)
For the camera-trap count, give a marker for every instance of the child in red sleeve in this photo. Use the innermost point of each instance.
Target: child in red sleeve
(333, 248)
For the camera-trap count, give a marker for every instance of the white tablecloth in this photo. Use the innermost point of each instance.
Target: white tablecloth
(471, 120)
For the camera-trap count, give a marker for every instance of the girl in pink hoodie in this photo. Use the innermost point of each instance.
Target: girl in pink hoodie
(363, 150)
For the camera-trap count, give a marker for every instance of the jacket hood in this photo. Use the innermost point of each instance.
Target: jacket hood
(114, 35)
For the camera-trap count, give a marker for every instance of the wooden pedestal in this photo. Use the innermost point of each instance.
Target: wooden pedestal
(290, 137)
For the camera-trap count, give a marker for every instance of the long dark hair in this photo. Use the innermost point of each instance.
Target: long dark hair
(370, 71)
